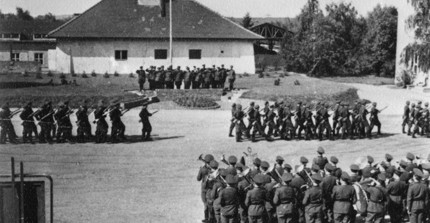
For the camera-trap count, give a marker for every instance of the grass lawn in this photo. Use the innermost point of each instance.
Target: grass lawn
(91, 88)
(310, 90)
(370, 79)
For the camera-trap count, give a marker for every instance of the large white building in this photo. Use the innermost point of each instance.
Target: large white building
(121, 35)
(405, 36)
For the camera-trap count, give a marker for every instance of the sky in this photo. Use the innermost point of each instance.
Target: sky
(228, 8)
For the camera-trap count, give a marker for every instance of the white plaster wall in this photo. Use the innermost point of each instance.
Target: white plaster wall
(99, 55)
(25, 56)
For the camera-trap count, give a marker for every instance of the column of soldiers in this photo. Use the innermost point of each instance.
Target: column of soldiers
(279, 119)
(197, 78)
(319, 192)
(56, 123)
(417, 119)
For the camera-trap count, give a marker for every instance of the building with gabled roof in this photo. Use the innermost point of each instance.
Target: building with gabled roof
(121, 35)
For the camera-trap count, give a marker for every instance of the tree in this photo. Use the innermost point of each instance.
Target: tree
(247, 21)
(24, 15)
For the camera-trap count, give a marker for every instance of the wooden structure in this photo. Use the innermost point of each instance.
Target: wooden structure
(272, 34)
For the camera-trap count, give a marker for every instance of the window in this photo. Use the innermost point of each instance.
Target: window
(160, 54)
(195, 54)
(38, 57)
(10, 36)
(15, 57)
(39, 36)
(121, 55)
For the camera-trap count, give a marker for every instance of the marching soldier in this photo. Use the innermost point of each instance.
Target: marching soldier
(203, 176)
(251, 118)
(146, 125)
(362, 118)
(28, 123)
(223, 75)
(84, 126)
(344, 197)
(141, 78)
(313, 201)
(417, 198)
(46, 122)
(374, 120)
(231, 77)
(285, 200)
(345, 123)
(118, 127)
(324, 124)
(101, 124)
(270, 122)
(198, 79)
(416, 120)
(336, 114)
(257, 123)
(64, 125)
(308, 123)
(179, 76)
(6, 125)
(188, 77)
(406, 113)
(255, 200)
(238, 119)
(232, 121)
(425, 117)
(287, 126)
(159, 78)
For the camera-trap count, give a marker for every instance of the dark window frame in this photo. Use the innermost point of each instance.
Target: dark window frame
(121, 54)
(195, 54)
(37, 58)
(13, 58)
(160, 54)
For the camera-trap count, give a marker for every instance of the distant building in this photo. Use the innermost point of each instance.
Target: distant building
(26, 40)
(406, 36)
(121, 35)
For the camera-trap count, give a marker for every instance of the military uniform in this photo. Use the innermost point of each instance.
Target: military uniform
(417, 198)
(203, 176)
(168, 79)
(46, 122)
(405, 117)
(188, 77)
(64, 125)
(118, 127)
(344, 197)
(239, 125)
(313, 202)
(231, 76)
(308, 123)
(287, 126)
(324, 124)
(345, 123)
(365, 131)
(374, 120)
(28, 123)
(255, 201)
(198, 79)
(6, 125)
(159, 78)
(146, 125)
(151, 78)
(232, 120)
(376, 204)
(256, 124)
(229, 201)
(327, 184)
(396, 191)
(141, 78)
(101, 124)
(285, 200)
(179, 76)
(217, 78)
(84, 126)
(336, 114)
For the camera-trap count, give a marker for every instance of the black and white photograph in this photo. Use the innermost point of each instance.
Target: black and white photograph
(214, 111)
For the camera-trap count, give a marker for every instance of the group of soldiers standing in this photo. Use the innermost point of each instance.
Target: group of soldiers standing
(57, 123)
(279, 119)
(160, 78)
(320, 192)
(417, 118)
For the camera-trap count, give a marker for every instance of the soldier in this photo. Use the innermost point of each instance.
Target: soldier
(320, 160)
(308, 123)
(179, 77)
(238, 120)
(362, 118)
(223, 75)
(411, 119)
(231, 74)
(6, 125)
(159, 78)
(396, 191)
(374, 120)
(151, 78)
(46, 121)
(270, 122)
(327, 185)
(168, 79)
(285, 200)
(255, 200)
(298, 119)
(207, 78)
(232, 120)
(146, 125)
(141, 77)
(64, 125)
(417, 198)
(203, 176)
(257, 127)
(188, 77)
(118, 127)
(313, 201)
(229, 199)
(287, 126)
(425, 117)
(345, 123)
(377, 198)
(251, 118)
(101, 124)
(344, 197)
(405, 117)
(28, 123)
(218, 78)
(219, 185)
(355, 124)
(198, 79)
(324, 124)
(299, 182)
(84, 126)
(336, 114)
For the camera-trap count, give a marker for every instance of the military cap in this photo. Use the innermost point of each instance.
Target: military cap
(272, 106)
(223, 172)
(409, 168)
(232, 171)
(410, 156)
(355, 178)
(418, 172)
(374, 103)
(317, 178)
(208, 158)
(354, 168)
(315, 168)
(426, 166)
(259, 179)
(265, 165)
(337, 172)
(279, 158)
(252, 103)
(257, 162)
(426, 104)
(329, 167)
(334, 160)
(405, 176)
(390, 169)
(370, 159)
(408, 102)
(257, 107)
(287, 177)
(388, 157)
(303, 160)
(413, 105)
(232, 160)
(288, 167)
(366, 172)
(382, 177)
(230, 179)
(403, 164)
(213, 164)
(419, 102)
(299, 102)
(29, 104)
(320, 150)
(239, 166)
(345, 176)
(338, 101)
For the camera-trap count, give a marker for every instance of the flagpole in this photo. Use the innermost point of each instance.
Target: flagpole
(171, 34)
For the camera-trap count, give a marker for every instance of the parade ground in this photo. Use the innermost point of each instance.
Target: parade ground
(155, 181)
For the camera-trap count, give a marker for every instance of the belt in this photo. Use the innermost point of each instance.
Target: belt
(378, 202)
(344, 200)
(257, 203)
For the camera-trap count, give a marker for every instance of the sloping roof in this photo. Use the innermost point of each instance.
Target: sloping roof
(261, 20)
(28, 28)
(128, 19)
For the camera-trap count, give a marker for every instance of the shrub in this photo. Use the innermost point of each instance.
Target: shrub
(106, 75)
(74, 74)
(25, 74)
(62, 76)
(267, 74)
(282, 75)
(196, 101)
(277, 82)
(246, 75)
(260, 75)
(116, 74)
(84, 75)
(50, 74)
(93, 74)
(131, 75)
(38, 75)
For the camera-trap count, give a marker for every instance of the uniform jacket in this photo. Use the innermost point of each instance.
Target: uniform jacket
(397, 191)
(284, 200)
(313, 200)
(144, 115)
(377, 199)
(344, 197)
(229, 201)
(255, 200)
(417, 197)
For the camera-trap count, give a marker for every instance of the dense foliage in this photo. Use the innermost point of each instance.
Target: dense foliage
(340, 42)
(247, 21)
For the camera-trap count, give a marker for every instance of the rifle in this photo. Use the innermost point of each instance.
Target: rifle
(124, 111)
(383, 109)
(151, 114)
(34, 113)
(14, 113)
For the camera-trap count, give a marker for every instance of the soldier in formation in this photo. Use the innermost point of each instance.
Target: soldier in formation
(417, 118)
(367, 192)
(159, 78)
(284, 121)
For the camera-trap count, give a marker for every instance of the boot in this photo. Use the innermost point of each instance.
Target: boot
(403, 130)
